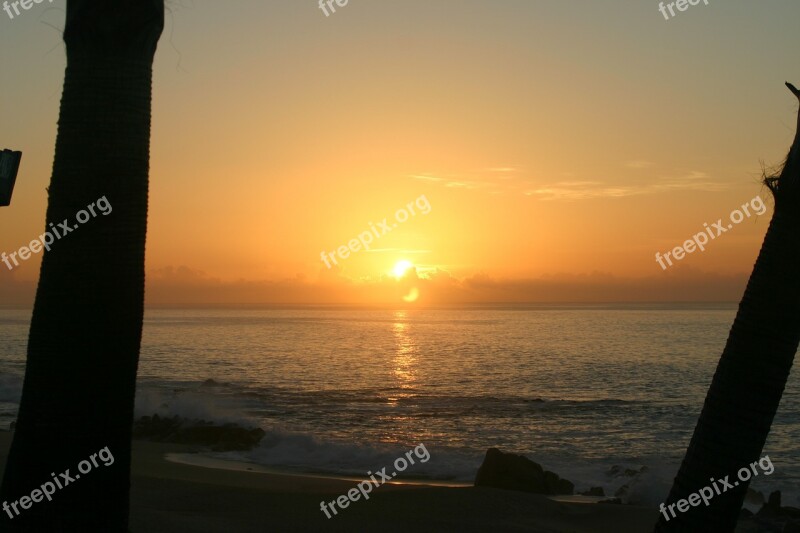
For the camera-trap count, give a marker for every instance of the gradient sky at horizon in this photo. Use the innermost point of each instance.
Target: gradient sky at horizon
(550, 137)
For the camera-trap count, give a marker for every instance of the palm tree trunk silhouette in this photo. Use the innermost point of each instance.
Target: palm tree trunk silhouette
(752, 372)
(85, 334)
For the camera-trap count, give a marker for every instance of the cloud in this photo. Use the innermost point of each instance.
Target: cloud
(185, 286)
(497, 180)
(683, 284)
(584, 190)
(502, 170)
(695, 180)
(494, 180)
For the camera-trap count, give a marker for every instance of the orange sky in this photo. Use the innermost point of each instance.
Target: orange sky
(560, 145)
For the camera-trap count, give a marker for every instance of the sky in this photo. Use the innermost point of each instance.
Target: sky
(556, 146)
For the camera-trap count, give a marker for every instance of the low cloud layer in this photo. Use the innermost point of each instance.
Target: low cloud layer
(186, 286)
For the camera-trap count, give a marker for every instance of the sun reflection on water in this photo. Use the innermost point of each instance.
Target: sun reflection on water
(405, 358)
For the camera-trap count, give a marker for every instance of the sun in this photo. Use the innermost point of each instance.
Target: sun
(401, 268)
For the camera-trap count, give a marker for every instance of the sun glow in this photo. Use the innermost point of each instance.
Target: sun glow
(412, 295)
(401, 268)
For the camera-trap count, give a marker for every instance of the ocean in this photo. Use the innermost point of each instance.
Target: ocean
(602, 395)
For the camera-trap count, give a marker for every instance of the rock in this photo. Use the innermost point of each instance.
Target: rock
(771, 517)
(564, 486)
(221, 438)
(555, 485)
(225, 437)
(772, 507)
(509, 471)
(754, 497)
(594, 491)
(617, 470)
(774, 500)
(515, 472)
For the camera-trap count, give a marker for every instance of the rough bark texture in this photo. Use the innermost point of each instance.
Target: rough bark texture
(85, 334)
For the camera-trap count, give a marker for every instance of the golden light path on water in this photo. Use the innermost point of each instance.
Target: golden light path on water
(404, 361)
(405, 356)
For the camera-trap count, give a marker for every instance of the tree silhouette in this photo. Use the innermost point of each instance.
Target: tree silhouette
(752, 372)
(85, 334)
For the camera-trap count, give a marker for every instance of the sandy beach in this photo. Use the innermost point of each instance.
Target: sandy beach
(170, 497)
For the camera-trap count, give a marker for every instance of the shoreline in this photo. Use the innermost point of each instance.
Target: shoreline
(203, 461)
(169, 496)
(196, 458)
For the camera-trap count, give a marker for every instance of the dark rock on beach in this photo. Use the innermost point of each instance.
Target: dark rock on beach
(516, 472)
(771, 517)
(224, 437)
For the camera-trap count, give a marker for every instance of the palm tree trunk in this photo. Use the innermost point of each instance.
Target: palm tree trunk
(752, 372)
(85, 334)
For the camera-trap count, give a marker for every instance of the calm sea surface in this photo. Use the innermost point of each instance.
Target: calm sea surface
(587, 391)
